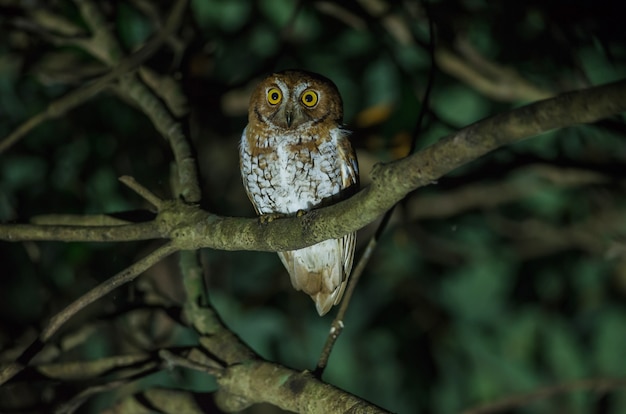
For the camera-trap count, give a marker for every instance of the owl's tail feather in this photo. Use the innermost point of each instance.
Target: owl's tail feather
(321, 270)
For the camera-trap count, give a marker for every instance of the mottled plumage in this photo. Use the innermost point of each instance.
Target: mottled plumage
(296, 157)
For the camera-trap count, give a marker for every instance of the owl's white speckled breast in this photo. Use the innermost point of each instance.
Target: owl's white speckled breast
(288, 173)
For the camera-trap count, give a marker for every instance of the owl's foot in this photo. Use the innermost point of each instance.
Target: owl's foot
(268, 218)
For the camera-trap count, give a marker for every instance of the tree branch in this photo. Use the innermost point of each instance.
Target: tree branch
(599, 385)
(191, 228)
(78, 96)
(524, 183)
(393, 181)
(299, 392)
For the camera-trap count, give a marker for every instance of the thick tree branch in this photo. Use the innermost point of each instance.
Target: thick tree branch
(295, 391)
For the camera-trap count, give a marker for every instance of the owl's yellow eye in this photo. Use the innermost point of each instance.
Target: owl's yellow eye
(274, 96)
(309, 98)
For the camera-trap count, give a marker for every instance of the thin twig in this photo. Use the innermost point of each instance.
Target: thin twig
(176, 360)
(600, 385)
(338, 325)
(171, 130)
(79, 399)
(127, 275)
(57, 321)
(168, 89)
(142, 191)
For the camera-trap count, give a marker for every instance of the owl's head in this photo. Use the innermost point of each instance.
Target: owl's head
(294, 98)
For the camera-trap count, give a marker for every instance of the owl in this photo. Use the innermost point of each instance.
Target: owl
(294, 157)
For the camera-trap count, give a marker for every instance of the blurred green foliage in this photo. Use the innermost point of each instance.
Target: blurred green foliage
(452, 311)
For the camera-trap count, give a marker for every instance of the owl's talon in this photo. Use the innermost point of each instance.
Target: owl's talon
(268, 218)
(300, 213)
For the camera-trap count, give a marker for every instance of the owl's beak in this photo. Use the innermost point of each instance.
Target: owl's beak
(291, 116)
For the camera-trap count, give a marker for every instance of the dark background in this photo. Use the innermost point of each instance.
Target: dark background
(506, 276)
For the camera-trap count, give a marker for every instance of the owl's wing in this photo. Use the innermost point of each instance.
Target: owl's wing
(350, 180)
(245, 166)
(319, 270)
(347, 158)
